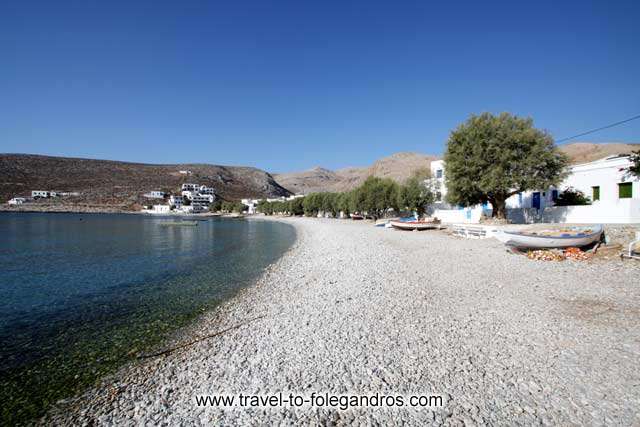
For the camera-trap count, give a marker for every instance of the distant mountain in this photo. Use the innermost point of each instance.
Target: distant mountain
(398, 166)
(106, 182)
(584, 152)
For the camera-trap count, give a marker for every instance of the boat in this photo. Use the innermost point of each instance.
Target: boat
(356, 216)
(179, 223)
(415, 224)
(384, 222)
(562, 237)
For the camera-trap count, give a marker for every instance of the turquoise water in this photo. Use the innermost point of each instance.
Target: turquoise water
(82, 294)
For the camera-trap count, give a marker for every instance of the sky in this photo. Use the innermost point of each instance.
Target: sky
(289, 85)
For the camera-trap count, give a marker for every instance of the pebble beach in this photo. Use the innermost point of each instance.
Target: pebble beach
(355, 309)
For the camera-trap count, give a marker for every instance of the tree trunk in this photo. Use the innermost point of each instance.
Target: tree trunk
(499, 208)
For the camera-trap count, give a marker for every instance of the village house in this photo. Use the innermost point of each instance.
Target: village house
(36, 194)
(17, 201)
(190, 187)
(176, 201)
(614, 195)
(154, 195)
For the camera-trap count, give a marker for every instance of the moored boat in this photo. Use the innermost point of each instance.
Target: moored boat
(564, 237)
(179, 223)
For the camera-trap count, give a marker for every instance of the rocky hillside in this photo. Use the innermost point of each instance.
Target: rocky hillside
(398, 166)
(112, 183)
(584, 152)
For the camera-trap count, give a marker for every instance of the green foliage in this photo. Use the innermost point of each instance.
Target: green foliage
(572, 197)
(416, 193)
(236, 206)
(634, 169)
(375, 197)
(216, 205)
(490, 158)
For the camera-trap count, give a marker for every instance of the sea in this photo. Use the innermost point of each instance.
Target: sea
(83, 294)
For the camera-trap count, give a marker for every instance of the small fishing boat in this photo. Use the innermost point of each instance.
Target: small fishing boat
(415, 224)
(180, 223)
(384, 222)
(564, 237)
(356, 216)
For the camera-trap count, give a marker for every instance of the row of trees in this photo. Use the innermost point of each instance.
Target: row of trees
(375, 197)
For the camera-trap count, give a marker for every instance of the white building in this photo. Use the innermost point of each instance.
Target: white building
(42, 193)
(202, 198)
(154, 195)
(176, 201)
(614, 193)
(190, 187)
(185, 172)
(17, 201)
(206, 190)
(188, 194)
(437, 179)
(251, 205)
(161, 209)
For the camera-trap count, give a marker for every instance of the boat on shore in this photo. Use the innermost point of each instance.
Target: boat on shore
(356, 217)
(415, 224)
(563, 237)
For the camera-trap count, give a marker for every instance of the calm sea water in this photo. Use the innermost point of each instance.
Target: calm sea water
(82, 294)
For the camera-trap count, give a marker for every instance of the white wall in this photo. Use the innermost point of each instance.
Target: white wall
(459, 216)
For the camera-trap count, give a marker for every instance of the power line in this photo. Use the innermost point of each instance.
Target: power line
(598, 129)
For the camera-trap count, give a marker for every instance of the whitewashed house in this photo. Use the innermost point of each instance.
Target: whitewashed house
(176, 201)
(251, 205)
(614, 193)
(206, 190)
(17, 201)
(190, 187)
(154, 195)
(161, 209)
(188, 194)
(41, 194)
(202, 198)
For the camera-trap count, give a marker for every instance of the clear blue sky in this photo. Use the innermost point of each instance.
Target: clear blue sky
(287, 85)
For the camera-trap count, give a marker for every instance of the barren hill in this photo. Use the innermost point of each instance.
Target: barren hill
(584, 152)
(398, 166)
(113, 183)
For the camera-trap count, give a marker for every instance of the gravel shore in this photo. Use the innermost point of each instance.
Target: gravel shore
(353, 309)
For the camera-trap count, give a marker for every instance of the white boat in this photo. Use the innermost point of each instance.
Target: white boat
(552, 238)
(420, 224)
(384, 222)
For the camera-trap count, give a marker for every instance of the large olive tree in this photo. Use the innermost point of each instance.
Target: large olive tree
(490, 158)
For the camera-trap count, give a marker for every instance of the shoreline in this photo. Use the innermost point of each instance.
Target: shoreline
(502, 338)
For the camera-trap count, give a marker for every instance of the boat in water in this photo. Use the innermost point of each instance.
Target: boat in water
(415, 224)
(563, 237)
(179, 223)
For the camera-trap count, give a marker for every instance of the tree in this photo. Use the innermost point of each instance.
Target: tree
(634, 169)
(296, 207)
(572, 197)
(416, 194)
(490, 158)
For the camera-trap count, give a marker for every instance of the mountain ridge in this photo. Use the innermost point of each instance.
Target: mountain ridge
(113, 182)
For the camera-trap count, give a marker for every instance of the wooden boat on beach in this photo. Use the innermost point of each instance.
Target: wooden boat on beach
(416, 224)
(564, 237)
